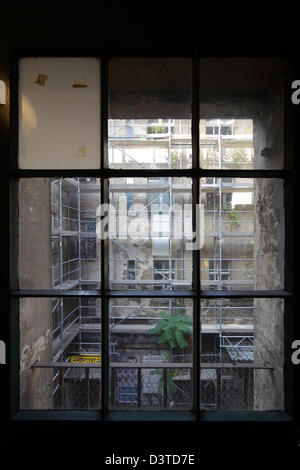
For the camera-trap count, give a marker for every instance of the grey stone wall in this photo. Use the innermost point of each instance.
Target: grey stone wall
(268, 318)
(35, 272)
(268, 349)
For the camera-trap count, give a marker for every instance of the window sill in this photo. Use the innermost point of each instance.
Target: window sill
(166, 416)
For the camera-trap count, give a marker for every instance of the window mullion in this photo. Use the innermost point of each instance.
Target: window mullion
(104, 241)
(196, 231)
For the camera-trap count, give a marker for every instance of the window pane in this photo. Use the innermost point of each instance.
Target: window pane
(242, 354)
(151, 353)
(150, 224)
(226, 143)
(241, 113)
(58, 242)
(243, 233)
(60, 353)
(60, 113)
(150, 113)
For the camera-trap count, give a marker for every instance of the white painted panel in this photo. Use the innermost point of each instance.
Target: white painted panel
(242, 198)
(59, 113)
(2, 92)
(160, 246)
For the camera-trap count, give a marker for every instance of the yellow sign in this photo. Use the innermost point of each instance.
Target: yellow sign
(86, 359)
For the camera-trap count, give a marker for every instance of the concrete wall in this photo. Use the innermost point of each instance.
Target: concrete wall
(268, 349)
(35, 272)
(269, 320)
(269, 255)
(150, 88)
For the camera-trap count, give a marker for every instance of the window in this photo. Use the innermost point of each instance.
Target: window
(131, 272)
(130, 200)
(100, 233)
(219, 272)
(89, 243)
(162, 272)
(158, 126)
(158, 201)
(218, 128)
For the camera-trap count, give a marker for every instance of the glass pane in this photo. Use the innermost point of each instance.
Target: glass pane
(151, 353)
(242, 354)
(226, 143)
(243, 233)
(150, 113)
(58, 242)
(60, 113)
(60, 353)
(241, 115)
(150, 233)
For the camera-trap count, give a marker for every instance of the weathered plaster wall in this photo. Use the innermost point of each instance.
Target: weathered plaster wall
(269, 255)
(268, 349)
(268, 318)
(35, 272)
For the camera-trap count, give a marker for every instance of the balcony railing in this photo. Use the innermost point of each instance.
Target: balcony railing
(155, 385)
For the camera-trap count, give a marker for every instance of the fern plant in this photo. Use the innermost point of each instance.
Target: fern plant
(173, 328)
(171, 388)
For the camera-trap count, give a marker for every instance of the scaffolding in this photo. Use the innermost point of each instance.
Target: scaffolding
(70, 223)
(125, 138)
(76, 325)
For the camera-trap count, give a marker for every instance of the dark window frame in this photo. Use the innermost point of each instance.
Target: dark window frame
(104, 293)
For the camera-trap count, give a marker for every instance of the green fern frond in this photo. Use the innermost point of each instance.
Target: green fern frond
(185, 329)
(158, 328)
(181, 342)
(164, 315)
(186, 319)
(162, 340)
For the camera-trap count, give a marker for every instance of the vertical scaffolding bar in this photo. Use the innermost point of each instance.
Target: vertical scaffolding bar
(60, 260)
(220, 235)
(139, 388)
(220, 284)
(79, 264)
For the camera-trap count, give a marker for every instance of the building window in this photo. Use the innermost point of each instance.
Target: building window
(111, 342)
(88, 248)
(130, 200)
(218, 128)
(89, 242)
(163, 273)
(219, 272)
(131, 273)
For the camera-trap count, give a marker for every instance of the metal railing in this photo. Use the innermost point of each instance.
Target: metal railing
(155, 385)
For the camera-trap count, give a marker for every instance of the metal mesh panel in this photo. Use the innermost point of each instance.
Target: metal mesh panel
(151, 388)
(78, 389)
(226, 389)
